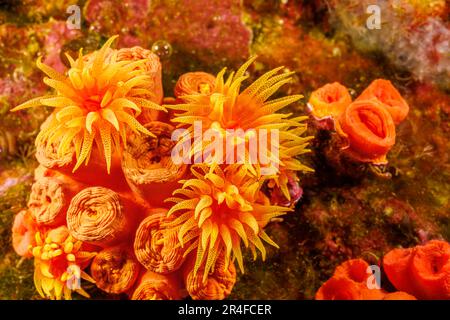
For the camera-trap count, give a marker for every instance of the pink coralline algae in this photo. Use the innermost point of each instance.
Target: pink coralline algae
(115, 16)
(209, 29)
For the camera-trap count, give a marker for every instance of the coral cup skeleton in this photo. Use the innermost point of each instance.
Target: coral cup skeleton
(97, 101)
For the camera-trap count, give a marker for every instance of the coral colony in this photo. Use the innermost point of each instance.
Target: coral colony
(113, 206)
(157, 197)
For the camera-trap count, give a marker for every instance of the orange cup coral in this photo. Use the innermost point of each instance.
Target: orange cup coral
(59, 260)
(430, 270)
(349, 282)
(155, 286)
(218, 284)
(148, 165)
(423, 271)
(107, 116)
(50, 198)
(249, 111)
(383, 91)
(155, 249)
(194, 83)
(399, 295)
(339, 289)
(331, 100)
(217, 212)
(101, 216)
(151, 67)
(23, 231)
(396, 264)
(115, 269)
(97, 102)
(368, 130)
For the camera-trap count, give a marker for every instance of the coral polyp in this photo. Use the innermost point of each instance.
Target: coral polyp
(95, 103)
(227, 108)
(57, 259)
(218, 211)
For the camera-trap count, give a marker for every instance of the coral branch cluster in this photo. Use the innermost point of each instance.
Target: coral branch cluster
(365, 127)
(421, 272)
(111, 206)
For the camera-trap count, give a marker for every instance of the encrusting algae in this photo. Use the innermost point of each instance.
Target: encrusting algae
(133, 221)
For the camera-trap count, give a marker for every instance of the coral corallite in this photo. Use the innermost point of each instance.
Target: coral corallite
(383, 91)
(58, 259)
(98, 100)
(329, 100)
(218, 211)
(368, 129)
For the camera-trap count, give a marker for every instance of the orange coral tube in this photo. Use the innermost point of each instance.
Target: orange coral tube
(155, 286)
(47, 152)
(218, 284)
(339, 289)
(115, 269)
(148, 167)
(157, 251)
(50, 198)
(355, 269)
(369, 131)
(47, 156)
(396, 265)
(152, 66)
(23, 230)
(349, 282)
(101, 216)
(430, 270)
(387, 94)
(194, 83)
(329, 101)
(399, 295)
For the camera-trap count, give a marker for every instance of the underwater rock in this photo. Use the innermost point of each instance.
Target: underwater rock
(412, 35)
(315, 59)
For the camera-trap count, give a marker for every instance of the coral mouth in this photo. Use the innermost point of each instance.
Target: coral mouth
(373, 123)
